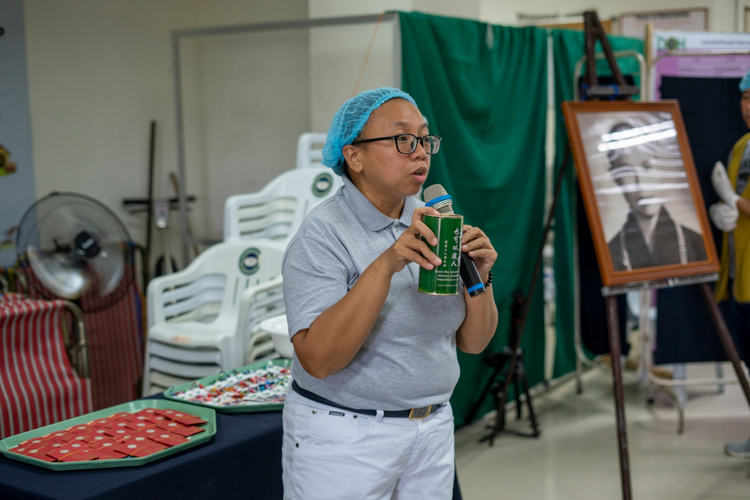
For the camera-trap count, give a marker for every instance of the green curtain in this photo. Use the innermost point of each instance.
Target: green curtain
(483, 89)
(568, 49)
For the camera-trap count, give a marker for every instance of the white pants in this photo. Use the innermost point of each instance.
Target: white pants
(332, 454)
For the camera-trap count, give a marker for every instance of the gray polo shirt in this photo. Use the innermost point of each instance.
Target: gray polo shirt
(409, 358)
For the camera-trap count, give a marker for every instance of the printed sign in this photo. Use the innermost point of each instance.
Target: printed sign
(709, 66)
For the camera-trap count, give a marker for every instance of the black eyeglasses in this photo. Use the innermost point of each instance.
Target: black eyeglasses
(407, 143)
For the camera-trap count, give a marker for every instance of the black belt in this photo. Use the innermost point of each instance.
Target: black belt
(414, 413)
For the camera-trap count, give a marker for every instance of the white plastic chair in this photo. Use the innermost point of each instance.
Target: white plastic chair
(277, 211)
(278, 328)
(310, 150)
(201, 319)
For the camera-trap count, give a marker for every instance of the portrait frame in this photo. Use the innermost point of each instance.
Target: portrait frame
(580, 143)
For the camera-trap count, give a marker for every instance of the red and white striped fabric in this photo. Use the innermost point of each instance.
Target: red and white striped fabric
(115, 342)
(38, 386)
(115, 350)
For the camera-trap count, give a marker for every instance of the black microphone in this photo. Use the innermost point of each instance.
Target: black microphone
(438, 198)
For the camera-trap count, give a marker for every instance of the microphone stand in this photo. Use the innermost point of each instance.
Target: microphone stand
(515, 372)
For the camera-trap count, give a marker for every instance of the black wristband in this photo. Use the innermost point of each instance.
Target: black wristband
(489, 280)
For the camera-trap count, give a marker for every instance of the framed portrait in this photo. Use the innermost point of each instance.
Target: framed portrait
(640, 190)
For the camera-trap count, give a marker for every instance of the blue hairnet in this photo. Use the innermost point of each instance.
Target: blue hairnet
(745, 82)
(350, 120)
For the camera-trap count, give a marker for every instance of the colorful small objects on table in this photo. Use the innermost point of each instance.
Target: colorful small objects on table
(118, 436)
(266, 385)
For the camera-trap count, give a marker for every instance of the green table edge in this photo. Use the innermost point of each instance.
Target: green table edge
(207, 414)
(230, 409)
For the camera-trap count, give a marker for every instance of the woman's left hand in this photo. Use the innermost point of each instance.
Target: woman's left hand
(479, 248)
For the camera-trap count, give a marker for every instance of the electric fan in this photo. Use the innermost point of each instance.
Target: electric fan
(77, 250)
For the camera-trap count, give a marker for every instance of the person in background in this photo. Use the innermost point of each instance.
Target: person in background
(732, 215)
(375, 360)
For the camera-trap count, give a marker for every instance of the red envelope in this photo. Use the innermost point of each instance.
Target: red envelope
(156, 419)
(34, 442)
(69, 436)
(188, 431)
(52, 443)
(70, 454)
(86, 437)
(147, 412)
(119, 434)
(139, 425)
(108, 448)
(73, 445)
(151, 431)
(166, 413)
(109, 454)
(120, 415)
(54, 436)
(186, 419)
(167, 438)
(117, 423)
(169, 426)
(97, 438)
(39, 452)
(79, 429)
(135, 438)
(140, 449)
(101, 423)
(20, 449)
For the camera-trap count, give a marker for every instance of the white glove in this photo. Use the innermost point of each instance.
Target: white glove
(724, 216)
(723, 186)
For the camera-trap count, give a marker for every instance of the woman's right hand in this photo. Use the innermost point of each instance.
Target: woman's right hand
(410, 247)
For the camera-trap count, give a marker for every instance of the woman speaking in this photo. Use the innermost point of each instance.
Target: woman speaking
(375, 361)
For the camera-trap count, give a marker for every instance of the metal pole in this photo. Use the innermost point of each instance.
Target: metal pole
(622, 436)
(181, 171)
(150, 211)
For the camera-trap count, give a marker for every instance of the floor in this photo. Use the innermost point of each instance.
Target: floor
(576, 456)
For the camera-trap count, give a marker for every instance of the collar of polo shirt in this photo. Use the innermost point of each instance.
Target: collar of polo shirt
(374, 219)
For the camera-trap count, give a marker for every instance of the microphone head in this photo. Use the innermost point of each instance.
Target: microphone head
(437, 197)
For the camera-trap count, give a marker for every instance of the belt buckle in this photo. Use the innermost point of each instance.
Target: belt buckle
(420, 413)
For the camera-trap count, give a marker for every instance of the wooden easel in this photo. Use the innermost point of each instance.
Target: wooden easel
(610, 294)
(592, 90)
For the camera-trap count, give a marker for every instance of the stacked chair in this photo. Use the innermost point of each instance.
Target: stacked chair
(206, 318)
(310, 150)
(276, 212)
(201, 318)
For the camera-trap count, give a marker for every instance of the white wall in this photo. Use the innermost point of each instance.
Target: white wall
(247, 100)
(100, 71)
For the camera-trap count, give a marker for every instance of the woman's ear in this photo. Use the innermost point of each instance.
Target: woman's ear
(352, 157)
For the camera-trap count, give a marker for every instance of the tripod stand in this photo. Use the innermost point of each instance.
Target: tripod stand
(499, 380)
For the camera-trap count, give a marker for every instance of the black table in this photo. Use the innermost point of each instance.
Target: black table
(243, 459)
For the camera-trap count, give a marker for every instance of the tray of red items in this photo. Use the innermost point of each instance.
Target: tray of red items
(125, 435)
